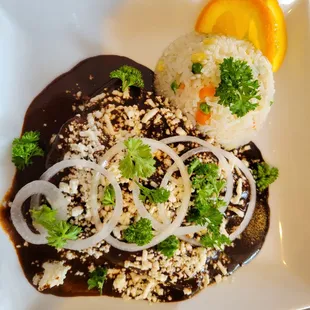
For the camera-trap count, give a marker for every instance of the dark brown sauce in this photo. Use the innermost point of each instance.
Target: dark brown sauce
(46, 114)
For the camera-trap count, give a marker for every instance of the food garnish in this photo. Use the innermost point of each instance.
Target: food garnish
(108, 198)
(169, 246)
(197, 67)
(59, 232)
(265, 175)
(207, 200)
(237, 88)
(97, 278)
(213, 238)
(138, 161)
(154, 195)
(129, 76)
(25, 148)
(261, 22)
(140, 233)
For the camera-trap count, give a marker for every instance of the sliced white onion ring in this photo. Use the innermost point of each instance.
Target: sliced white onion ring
(234, 160)
(52, 194)
(181, 212)
(82, 244)
(252, 203)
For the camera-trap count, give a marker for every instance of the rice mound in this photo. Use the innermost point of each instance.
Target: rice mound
(176, 64)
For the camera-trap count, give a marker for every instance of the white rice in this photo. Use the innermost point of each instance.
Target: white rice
(175, 64)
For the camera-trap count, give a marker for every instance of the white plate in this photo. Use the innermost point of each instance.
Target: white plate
(41, 39)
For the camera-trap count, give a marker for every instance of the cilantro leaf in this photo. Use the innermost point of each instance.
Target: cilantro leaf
(59, 232)
(169, 246)
(97, 278)
(155, 195)
(138, 162)
(129, 76)
(237, 88)
(265, 175)
(25, 148)
(108, 198)
(140, 233)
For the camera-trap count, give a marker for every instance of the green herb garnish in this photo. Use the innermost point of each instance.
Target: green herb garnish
(205, 108)
(174, 86)
(207, 187)
(138, 161)
(237, 88)
(97, 279)
(108, 198)
(214, 238)
(265, 175)
(197, 67)
(169, 246)
(154, 195)
(140, 233)
(25, 148)
(59, 232)
(129, 76)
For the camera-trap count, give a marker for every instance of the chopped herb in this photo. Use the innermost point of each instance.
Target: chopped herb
(271, 102)
(238, 87)
(108, 198)
(97, 279)
(207, 201)
(155, 195)
(140, 233)
(129, 76)
(169, 246)
(174, 86)
(197, 67)
(25, 148)
(205, 108)
(138, 161)
(59, 232)
(193, 165)
(265, 175)
(214, 238)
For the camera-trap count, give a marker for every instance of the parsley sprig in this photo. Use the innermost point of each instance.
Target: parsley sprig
(108, 198)
(140, 233)
(138, 161)
(237, 88)
(207, 187)
(25, 148)
(129, 76)
(154, 195)
(97, 278)
(59, 232)
(265, 175)
(169, 246)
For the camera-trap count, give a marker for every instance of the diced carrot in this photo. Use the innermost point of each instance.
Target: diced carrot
(206, 91)
(202, 117)
(181, 86)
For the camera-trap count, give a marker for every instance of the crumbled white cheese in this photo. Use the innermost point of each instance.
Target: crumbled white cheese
(187, 291)
(76, 211)
(120, 282)
(54, 274)
(236, 199)
(222, 268)
(237, 211)
(180, 131)
(149, 115)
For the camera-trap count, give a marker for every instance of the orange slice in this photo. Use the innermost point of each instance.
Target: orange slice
(259, 21)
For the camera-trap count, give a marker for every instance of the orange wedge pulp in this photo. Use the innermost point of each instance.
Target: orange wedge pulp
(259, 21)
